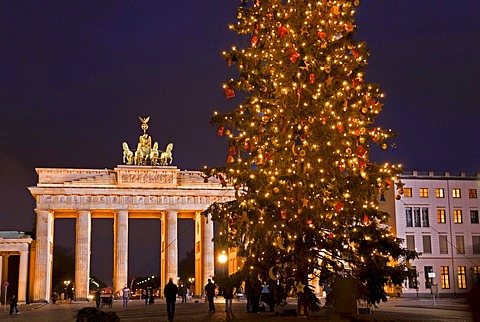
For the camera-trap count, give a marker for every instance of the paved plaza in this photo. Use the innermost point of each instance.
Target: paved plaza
(394, 310)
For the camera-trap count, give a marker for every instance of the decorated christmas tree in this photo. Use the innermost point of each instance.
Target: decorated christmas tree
(306, 192)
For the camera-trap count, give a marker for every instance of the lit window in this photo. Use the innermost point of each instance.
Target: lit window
(472, 193)
(457, 216)
(428, 280)
(456, 193)
(474, 216)
(439, 193)
(443, 244)
(427, 244)
(441, 216)
(476, 274)
(445, 276)
(460, 244)
(423, 192)
(407, 192)
(462, 277)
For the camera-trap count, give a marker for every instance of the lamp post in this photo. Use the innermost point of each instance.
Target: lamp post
(66, 287)
(222, 259)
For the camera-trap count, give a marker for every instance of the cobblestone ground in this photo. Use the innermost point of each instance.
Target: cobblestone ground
(393, 311)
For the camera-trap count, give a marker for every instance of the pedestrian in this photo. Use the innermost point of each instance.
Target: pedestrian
(248, 294)
(14, 304)
(256, 293)
(54, 297)
(97, 298)
(170, 292)
(145, 293)
(210, 293)
(183, 293)
(228, 293)
(125, 294)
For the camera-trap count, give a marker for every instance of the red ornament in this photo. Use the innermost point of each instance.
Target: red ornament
(355, 53)
(340, 127)
(229, 92)
(338, 206)
(294, 56)
(282, 31)
(231, 150)
(283, 214)
(254, 41)
(312, 78)
(322, 34)
(331, 235)
(365, 219)
(360, 151)
(230, 159)
(220, 131)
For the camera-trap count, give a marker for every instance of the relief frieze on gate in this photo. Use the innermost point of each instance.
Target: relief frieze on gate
(108, 201)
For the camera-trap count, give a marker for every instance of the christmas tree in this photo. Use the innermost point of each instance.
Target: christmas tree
(306, 192)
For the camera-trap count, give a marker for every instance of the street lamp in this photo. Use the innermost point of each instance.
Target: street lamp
(66, 287)
(222, 259)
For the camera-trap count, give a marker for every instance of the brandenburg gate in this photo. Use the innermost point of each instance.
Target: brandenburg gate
(133, 190)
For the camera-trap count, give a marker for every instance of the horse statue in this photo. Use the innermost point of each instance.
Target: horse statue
(154, 154)
(127, 154)
(139, 155)
(166, 157)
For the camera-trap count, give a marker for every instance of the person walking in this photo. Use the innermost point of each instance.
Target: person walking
(182, 291)
(170, 292)
(97, 298)
(125, 294)
(210, 293)
(228, 293)
(14, 304)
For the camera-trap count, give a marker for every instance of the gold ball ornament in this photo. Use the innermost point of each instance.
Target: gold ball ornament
(398, 197)
(384, 146)
(228, 132)
(276, 190)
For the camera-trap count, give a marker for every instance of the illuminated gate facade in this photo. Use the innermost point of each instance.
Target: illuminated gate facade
(127, 191)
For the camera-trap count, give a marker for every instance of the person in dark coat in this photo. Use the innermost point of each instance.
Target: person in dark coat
(210, 293)
(14, 304)
(97, 298)
(256, 293)
(248, 294)
(228, 293)
(170, 291)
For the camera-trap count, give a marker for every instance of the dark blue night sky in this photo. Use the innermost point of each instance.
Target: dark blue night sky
(75, 76)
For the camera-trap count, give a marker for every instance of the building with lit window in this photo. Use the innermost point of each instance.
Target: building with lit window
(437, 214)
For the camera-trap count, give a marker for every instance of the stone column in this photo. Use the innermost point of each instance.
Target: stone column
(208, 257)
(171, 246)
(22, 277)
(44, 256)
(120, 236)
(82, 254)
